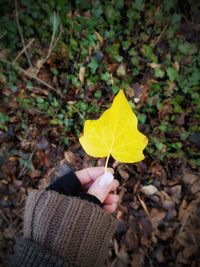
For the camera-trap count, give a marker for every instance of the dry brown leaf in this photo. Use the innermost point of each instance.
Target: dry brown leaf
(118, 263)
(138, 259)
(175, 193)
(81, 74)
(156, 216)
(70, 157)
(121, 252)
(123, 172)
(186, 244)
(34, 173)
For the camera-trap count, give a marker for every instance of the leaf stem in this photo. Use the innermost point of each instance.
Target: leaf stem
(106, 165)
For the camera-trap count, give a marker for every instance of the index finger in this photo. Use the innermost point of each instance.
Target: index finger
(89, 175)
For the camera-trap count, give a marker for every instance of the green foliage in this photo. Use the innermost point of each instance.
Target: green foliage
(118, 43)
(159, 73)
(93, 65)
(147, 52)
(4, 119)
(172, 74)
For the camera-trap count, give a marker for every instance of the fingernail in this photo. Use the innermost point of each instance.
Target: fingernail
(106, 179)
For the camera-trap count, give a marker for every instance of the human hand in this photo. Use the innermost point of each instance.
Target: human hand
(100, 184)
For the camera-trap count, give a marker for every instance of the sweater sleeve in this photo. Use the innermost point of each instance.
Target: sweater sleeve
(75, 232)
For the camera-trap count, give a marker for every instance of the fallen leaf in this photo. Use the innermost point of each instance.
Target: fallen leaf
(99, 37)
(159, 254)
(192, 180)
(121, 70)
(175, 193)
(137, 89)
(123, 173)
(121, 252)
(43, 143)
(138, 258)
(181, 119)
(70, 157)
(118, 263)
(115, 133)
(149, 190)
(176, 65)
(155, 65)
(35, 173)
(186, 243)
(82, 74)
(165, 109)
(156, 216)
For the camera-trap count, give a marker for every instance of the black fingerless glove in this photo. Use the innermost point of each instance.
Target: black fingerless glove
(70, 185)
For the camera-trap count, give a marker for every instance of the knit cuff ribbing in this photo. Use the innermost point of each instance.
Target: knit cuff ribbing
(29, 254)
(74, 229)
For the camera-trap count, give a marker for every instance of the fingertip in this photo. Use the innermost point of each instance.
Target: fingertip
(115, 184)
(110, 208)
(111, 199)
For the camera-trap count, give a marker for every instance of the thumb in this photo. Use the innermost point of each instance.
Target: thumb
(102, 186)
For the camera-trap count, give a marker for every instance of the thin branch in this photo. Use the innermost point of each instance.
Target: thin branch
(36, 78)
(23, 50)
(31, 76)
(160, 36)
(56, 41)
(185, 219)
(9, 225)
(52, 44)
(28, 74)
(143, 205)
(53, 35)
(21, 34)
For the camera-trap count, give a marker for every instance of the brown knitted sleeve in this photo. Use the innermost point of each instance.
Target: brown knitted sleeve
(73, 229)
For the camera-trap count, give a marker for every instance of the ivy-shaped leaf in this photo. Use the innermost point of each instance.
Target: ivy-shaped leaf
(115, 133)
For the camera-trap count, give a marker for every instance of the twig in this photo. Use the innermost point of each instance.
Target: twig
(57, 39)
(185, 219)
(52, 44)
(38, 80)
(53, 35)
(160, 36)
(31, 76)
(143, 205)
(21, 34)
(28, 74)
(9, 225)
(23, 50)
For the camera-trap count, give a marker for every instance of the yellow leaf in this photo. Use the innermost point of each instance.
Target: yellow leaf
(115, 133)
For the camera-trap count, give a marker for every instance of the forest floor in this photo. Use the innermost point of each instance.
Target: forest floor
(61, 64)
